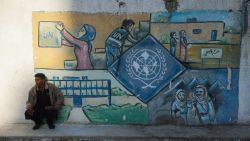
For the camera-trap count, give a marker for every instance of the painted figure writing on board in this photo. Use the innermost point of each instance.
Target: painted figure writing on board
(82, 44)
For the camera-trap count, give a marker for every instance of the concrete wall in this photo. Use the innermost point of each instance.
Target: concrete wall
(16, 41)
(244, 115)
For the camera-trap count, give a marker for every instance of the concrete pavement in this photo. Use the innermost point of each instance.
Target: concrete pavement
(85, 132)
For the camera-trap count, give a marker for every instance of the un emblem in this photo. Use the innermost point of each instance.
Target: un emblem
(147, 66)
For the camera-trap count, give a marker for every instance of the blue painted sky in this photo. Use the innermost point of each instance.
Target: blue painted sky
(230, 18)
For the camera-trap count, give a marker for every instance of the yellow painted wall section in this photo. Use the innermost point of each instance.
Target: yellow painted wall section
(104, 24)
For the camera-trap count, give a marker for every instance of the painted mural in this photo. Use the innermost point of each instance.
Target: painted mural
(142, 68)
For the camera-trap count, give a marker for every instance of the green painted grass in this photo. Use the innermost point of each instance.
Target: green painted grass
(63, 114)
(125, 114)
(118, 92)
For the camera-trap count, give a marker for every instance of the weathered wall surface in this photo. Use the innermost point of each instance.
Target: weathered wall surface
(244, 115)
(180, 67)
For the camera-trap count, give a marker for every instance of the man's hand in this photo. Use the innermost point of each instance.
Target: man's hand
(29, 109)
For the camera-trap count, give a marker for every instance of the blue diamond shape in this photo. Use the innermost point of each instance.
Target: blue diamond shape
(146, 68)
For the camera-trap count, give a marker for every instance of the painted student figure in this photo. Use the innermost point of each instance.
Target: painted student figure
(44, 102)
(82, 44)
(203, 106)
(173, 43)
(183, 46)
(117, 40)
(179, 109)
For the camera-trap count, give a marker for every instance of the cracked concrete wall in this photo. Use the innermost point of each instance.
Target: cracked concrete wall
(17, 66)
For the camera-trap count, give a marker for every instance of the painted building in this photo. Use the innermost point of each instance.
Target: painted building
(201, 32)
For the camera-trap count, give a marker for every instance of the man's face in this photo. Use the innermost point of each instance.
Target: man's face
(174, 35)
(39, 82)
(131, 28)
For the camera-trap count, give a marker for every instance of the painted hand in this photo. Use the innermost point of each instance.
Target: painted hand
(60, 26)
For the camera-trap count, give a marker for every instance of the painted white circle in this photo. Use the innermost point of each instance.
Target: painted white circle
(146, 64)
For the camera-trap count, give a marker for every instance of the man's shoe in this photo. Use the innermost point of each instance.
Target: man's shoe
(37, 126)
(52, 126)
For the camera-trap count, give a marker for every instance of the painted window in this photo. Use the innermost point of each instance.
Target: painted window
(197, 31)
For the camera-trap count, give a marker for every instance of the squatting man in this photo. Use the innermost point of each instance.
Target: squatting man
(44, 101)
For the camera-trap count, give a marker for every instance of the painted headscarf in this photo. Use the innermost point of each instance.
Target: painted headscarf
(182, 33)
(205, 97)
(177, 93)
(90, 33)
